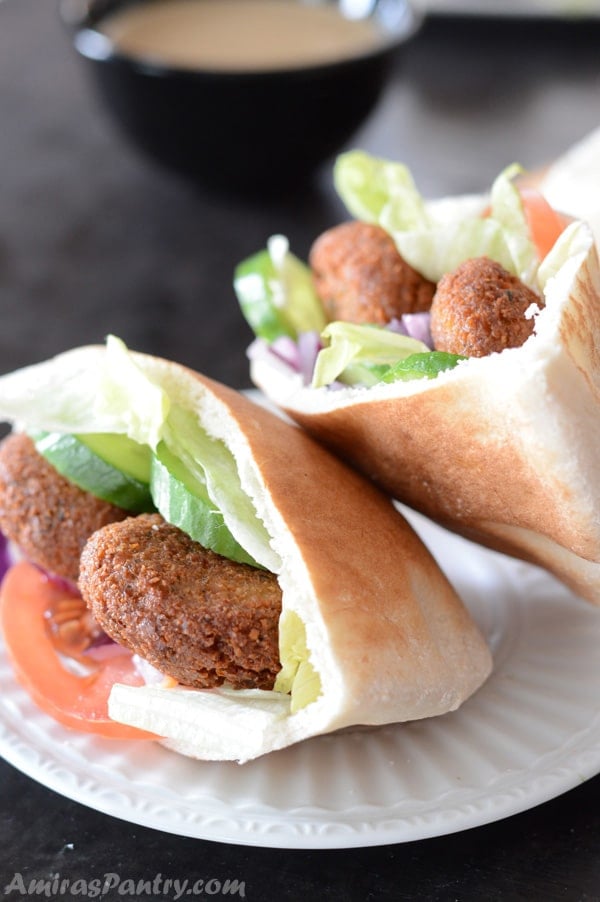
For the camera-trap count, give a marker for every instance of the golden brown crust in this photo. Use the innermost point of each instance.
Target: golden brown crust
(44, 514)
(479, 309)
(438, 464)
(194, 615)
(387, 638)
(386, 605)
(361, 278)
(504, 450)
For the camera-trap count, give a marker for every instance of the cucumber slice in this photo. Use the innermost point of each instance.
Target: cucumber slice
(253, 284)
(276, 293)
(76, 461)
(122, 452)
(184, 501)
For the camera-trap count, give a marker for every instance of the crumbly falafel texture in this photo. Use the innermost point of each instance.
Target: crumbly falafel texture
(502, 449)
(384, 632)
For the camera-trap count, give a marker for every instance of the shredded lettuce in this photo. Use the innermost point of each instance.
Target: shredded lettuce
(436, 240)
(212, 465)
(354, 351)
(279, 301)
(373, 188)
(138, 407)
(276, 294)
(297, 675)
(570, 245)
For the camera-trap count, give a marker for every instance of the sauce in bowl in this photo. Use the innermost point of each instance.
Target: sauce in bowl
(238, 35)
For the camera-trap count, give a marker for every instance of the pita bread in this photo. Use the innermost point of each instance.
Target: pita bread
(386, 634)
(502, 449)
(570, 183)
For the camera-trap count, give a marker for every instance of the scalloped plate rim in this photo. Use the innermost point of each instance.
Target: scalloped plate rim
(312, 826)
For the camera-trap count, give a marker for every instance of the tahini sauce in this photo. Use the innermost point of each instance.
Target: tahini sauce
(238, 34)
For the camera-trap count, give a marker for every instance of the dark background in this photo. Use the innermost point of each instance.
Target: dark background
(96, 239)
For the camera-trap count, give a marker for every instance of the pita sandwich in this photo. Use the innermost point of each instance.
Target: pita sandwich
(370, 630)
(500, 448)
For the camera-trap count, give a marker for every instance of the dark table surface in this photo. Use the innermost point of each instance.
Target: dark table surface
(94, 239)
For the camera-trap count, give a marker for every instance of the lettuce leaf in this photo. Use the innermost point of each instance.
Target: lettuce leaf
(88, 391)
(297, 675)
(371, 188)
(211, 464)
(436, 237)
(567, 253)
(139, 407)
(354, 351)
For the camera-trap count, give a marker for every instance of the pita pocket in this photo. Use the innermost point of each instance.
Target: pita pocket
(501, 448)
(370, 630)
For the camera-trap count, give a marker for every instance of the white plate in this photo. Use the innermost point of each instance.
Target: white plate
(531, 733)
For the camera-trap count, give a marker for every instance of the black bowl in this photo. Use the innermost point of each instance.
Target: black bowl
(251, 131)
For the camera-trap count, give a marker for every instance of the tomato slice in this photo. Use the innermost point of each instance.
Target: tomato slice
(80, 702)
(544, 222)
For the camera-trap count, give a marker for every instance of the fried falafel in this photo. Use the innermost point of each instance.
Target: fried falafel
(361, 278)
(194, 615)
(47, 517)
(479, 309)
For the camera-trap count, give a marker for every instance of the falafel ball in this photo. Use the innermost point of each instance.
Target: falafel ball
(45, 515)
(194, 615)
(480, 308)
(361, 278)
